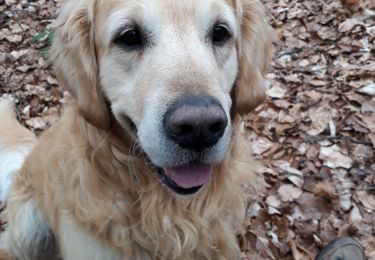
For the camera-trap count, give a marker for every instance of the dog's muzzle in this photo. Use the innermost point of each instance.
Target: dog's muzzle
(194, 123)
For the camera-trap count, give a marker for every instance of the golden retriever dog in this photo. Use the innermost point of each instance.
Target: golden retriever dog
(143, 162)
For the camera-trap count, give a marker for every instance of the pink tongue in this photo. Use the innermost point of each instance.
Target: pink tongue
(193, 175)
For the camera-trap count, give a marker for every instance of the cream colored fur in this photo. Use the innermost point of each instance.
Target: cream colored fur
(15, 144)
(86, 186)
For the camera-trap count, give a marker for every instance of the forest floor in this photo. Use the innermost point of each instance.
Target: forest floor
(315, 133)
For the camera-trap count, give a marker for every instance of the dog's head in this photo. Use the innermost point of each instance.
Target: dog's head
(176, 72)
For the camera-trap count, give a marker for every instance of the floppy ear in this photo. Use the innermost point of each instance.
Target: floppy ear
(74, 57)
(254, 50)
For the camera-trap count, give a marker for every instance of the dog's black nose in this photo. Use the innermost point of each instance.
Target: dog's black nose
(195, 122)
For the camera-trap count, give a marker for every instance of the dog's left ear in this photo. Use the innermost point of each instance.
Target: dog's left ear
(254, 50)
(74, 58)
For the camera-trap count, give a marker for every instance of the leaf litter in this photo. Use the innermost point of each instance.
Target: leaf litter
(315, 133)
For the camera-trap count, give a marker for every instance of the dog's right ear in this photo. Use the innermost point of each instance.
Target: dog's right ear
(254, 50)
(75, 62)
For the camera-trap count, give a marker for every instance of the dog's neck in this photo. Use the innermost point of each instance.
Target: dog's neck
(127, 189)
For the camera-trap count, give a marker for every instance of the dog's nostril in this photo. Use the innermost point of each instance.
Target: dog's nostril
(217, 127)
(185, 129)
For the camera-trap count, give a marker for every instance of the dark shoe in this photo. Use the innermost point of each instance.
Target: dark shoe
(344, 248)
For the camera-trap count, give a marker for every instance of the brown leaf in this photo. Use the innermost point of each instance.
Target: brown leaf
(334, 157)
(366, 199)
(289, 193)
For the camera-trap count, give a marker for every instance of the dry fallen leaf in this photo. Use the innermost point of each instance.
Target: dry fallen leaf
(289, 193)
(261, 145)
(273, 201)
(276, 92)
(349, 24)
(333, 157)
(368, 90)
(320, 118)
(366, 199)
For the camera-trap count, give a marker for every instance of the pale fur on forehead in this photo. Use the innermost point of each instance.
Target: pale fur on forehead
(205, 16)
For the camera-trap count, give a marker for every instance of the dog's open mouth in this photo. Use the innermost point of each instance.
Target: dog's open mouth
(187, 179)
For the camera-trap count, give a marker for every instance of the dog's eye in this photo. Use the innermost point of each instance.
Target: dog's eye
(220, 34)
(131, 39)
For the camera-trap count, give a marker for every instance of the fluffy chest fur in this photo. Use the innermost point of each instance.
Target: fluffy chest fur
(121, 202)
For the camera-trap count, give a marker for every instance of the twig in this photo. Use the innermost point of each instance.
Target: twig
(335, 138)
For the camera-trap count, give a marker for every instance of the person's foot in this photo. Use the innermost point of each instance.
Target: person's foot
(344, 248)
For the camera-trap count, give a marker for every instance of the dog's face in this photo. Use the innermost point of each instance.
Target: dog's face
(168, 70)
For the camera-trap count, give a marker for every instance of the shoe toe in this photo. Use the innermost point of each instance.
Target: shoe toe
(344, 248)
